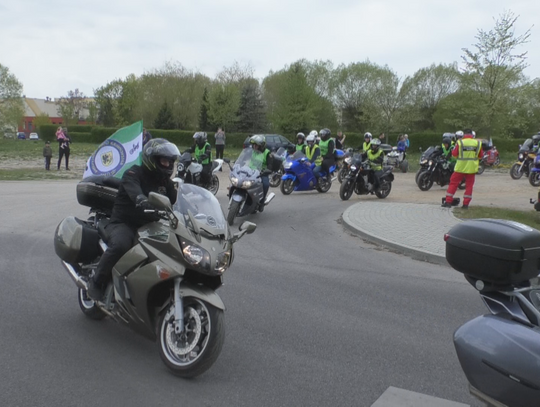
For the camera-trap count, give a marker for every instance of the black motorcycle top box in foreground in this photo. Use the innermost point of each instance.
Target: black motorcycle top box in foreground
(98, 192)
(495, 251)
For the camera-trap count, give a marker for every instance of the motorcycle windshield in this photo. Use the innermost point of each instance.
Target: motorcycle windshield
(281, 154)
(298, 156)
(527, 145)
(248, 165)
(428, 153)
(204, 207)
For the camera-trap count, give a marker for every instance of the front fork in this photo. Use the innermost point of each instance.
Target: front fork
(178, 308)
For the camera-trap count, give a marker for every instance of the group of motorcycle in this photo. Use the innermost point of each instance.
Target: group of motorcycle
(528, 162)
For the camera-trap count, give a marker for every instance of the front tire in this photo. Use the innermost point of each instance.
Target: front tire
(233, 211)
(534, 179)
(324, 187)
(424, 181)
(214, 184)
(404, 166)
(89, 307)
(514, 171)
(384, 190)
(481, 168)
(287, 186)
(195, 350)
(342, 173)
(346, 190)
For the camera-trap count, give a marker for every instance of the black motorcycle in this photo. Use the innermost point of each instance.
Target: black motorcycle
(435, 168)
(361, 179)
(189, 169)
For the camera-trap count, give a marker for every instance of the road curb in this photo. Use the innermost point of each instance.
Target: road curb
(412, 252)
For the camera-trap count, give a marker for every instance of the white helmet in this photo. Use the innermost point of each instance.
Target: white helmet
(368, 135)
(459, 134)
(314, 133)
(310, 138)
(473, 134)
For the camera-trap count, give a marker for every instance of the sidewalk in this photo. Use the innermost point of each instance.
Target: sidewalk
(416, 230)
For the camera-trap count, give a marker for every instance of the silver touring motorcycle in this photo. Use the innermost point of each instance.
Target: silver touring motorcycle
(164, 287)
(500, 352)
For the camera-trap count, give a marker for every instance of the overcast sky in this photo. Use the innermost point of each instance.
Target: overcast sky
(54, 46)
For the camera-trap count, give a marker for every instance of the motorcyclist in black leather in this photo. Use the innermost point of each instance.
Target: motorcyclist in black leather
(154, 175)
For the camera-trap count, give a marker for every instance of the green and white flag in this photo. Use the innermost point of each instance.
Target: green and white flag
(116, 154)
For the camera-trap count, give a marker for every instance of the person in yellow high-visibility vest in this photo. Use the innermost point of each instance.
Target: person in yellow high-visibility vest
(467, 152)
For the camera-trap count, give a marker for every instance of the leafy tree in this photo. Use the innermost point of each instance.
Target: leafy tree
(251, 112)
(494, 68)
(11, 103)
(71, 107)
(203, 115)
(223, 104)
(92, 113)
(164, 119)
(41, 119)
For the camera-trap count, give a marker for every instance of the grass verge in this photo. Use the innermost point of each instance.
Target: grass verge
(530, 218)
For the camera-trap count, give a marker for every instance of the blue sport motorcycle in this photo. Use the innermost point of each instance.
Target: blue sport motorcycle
(299, 175)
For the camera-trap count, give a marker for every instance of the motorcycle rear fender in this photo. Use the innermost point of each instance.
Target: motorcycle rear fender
(389, 176)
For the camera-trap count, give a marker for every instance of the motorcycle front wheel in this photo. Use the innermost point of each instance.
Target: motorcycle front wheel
(341, 174)
(191, 352)
(481, 168)
(534, 179)
(515, 173)
(287, 186)
(384, 190)
(214, 184)
(233, 211)
(424, 181)
(346, 190)
(275, 179)
(420, 170)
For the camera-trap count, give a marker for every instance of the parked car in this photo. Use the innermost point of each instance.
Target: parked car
(21, 136)
(34, 136)
(274, 142)
(9, 134)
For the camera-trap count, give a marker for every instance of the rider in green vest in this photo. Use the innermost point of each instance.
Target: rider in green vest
(447, 146)
(367, 142)
(313, 151)
(203, 154)
(327, 147)
(300, 145)
(375, 155)
(259, 160)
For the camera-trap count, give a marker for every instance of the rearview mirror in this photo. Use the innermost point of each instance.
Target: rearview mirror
(159, 201)
(247, 227)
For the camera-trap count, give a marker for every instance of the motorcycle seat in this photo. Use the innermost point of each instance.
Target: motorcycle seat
(102, 232)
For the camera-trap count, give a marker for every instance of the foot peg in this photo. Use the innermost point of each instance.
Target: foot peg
(270, 196)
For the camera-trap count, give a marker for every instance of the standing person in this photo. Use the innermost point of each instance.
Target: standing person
(467, 152)
(340, 140)
(382, 137)
(63, 142)
(146, 137)
(407, 142)
(153, 175)
(47, 153)
(220, 143)
(327, 147)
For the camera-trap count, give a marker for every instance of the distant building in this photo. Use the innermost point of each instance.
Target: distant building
(35, 107)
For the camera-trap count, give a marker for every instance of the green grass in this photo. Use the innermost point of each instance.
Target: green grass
(530, 218)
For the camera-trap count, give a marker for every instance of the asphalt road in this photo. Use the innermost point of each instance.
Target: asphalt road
(315, 316)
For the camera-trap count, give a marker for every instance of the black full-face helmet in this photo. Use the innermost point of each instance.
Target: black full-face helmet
(200, 138)
(159, 156)
(447, 141)
(324, 134)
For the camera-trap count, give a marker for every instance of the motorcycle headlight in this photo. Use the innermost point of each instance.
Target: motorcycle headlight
(430, 162)
(348, 160)
(353, 167)
(423, 161)
(195, 255)
(288, 164)
(180, 167)
(234, 181)
(222, 262)
(521, 156)
(247, 184)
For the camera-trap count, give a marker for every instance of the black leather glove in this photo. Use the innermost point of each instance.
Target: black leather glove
(142, 202)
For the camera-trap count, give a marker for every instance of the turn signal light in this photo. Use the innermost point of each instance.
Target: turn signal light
(163, 273)
(446, 237)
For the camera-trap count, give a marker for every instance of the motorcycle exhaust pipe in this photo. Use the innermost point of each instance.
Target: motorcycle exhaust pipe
(79, 282)
(334, 178)
(270, 196)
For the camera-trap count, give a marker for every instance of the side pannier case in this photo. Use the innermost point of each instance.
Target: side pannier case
(75, 241)
(495, 251)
